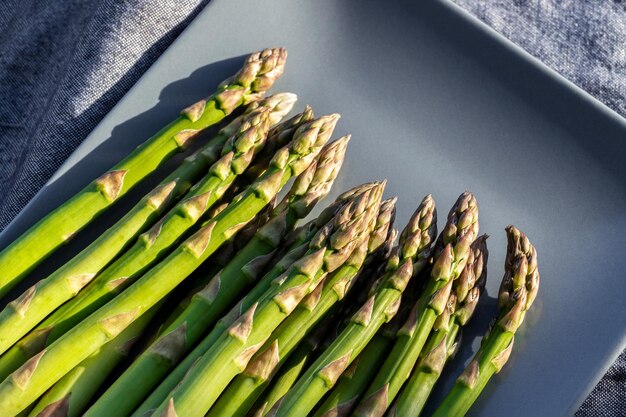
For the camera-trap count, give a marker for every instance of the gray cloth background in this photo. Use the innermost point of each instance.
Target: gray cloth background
(64, 65)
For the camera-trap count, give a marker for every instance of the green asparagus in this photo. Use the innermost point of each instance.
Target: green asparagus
(353, 382)
(244, 390)
(351, 386)
(211, 302)
(293, 367)
(278, 137)
(43, 370)
(220, 259)
(298, 243)
(378, 309)
(54, 290)
(459, 232)
(48, 294)
(517, 292)
(257, 75)
(231, 352)
(443, 341)
(71, 394)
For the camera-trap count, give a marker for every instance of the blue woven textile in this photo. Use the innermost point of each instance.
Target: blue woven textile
(65, 64)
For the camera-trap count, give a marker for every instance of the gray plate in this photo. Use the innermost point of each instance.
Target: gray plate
(437, 104)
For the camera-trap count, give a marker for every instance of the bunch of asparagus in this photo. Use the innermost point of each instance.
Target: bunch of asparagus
(210, 298)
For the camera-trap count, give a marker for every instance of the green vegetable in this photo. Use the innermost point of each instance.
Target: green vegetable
(378, 309)
(354, 381)
(246, 388)
(296, 245)
(257, 75)
(43, 370)
(150, 247)
(517, 292)
(445, 337)
(460, 231)
(233, 349)
(293, 367)
(208, 304)
(71, 394)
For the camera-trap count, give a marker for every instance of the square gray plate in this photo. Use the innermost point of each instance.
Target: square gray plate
(437, 103)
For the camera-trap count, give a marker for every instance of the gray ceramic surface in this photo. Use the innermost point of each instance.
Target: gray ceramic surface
(437, 104)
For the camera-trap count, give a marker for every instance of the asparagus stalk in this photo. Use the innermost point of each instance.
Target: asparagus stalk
(48, 294)
(211, 302)
(306, 232)
(289, 373)
(71, 394)
(246, 388)
(517, 292)
(443, 341)
(257, 75)
(351, 386)
(122, 272)
(459, 232)
(310, 187)
(353, 382)
(233, 349)
(43, 370)
(213, 265)
(298, 243)
(279, 135)
(161, 392)
(378, 309)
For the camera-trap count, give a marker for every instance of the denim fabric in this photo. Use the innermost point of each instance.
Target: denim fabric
(64, 65)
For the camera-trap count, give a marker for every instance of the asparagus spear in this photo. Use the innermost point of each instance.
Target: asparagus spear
(48, 294)
(279, 135)
(443, 341)
(517, 292)
(298, 243)
(459, 232)
(306, 232)
(293, 367)
(353, 382)
(174, 377)
(377, 310)
(310, 187)
(244, 390)
(213, 265)
(257, 75)
(220, 293)
(351, 386)
(233, 349)
(71, 394)
(122, 272)
(43, 370)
